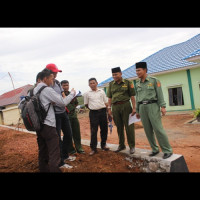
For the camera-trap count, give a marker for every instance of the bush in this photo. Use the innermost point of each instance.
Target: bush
(80, 100)
(197, 113)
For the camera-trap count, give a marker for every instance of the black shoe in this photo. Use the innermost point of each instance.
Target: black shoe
(92, 152)
(167, 155)
(72, 152)
(132, 150)
(154, 153)
(81, 151)
(120, 149)
(105, 148)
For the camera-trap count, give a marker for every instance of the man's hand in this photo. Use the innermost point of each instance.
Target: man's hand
(110, 118)
(109, 107)
(133, 112)
(163, 110)
(138, 115)
(109, 112)
(63, 94)
(73, 91)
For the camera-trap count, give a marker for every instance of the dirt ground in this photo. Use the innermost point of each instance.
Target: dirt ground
(19, 151)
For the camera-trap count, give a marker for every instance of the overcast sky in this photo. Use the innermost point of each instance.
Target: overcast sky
(81, 53)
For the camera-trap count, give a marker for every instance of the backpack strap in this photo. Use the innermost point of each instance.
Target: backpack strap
(40, 90)
(48, 107)
(31, 92)
(58, 83)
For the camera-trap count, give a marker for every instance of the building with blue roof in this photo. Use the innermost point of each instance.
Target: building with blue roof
(178, 69)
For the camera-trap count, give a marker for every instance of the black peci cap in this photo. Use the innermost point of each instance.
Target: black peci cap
(116, 69)
(141, 65)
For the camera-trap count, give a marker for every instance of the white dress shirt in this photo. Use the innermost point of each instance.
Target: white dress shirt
(95, 99)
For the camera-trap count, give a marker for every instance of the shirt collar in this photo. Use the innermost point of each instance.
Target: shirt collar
(68, 92)
(123, 81)
(146, 79)
(95, 91)
(42, 84)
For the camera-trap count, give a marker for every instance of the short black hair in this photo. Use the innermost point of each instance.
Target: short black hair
(64, 82)
(45, 73)
(38, 76)
(92, 79)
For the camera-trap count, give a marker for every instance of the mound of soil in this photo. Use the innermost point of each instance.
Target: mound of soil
(19, 153)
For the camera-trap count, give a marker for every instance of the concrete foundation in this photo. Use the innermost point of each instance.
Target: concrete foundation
(175, 163)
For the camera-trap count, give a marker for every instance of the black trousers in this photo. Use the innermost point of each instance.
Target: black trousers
(49, 149)
(63, 123)
(98, 118)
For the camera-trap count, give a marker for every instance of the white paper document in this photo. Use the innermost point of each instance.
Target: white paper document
(133, 119)
(78, 94)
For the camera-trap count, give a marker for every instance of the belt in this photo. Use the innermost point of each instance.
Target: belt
(147, 102)
(120, 102)
(100, 110)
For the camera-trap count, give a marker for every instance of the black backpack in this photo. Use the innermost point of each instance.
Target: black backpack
(33, 112)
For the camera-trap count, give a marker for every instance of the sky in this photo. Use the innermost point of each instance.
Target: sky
(81, 53)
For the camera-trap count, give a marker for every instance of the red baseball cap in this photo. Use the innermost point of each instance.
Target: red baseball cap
(53, 67)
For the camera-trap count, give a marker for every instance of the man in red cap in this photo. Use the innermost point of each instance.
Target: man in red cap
(62, 119)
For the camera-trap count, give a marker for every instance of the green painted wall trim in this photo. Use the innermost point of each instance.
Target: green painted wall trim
(190, 89)
(180, 110)
(105, 90)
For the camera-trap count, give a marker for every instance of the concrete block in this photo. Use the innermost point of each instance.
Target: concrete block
(179, 165)
(175, 163)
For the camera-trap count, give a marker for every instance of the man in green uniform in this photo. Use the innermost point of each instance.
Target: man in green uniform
(76, 135)
(149, 100)
(119, 93)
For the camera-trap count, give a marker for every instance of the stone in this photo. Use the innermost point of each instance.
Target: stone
(129, 159)
(130, 166)
(165, 166)
(153, 166)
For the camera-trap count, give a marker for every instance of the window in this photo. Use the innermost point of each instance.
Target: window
(176, 96)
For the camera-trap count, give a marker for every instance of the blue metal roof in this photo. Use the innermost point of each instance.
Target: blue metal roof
(195, 53)
(168, 58)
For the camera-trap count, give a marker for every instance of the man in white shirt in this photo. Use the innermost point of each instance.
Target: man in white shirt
(97, 102)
